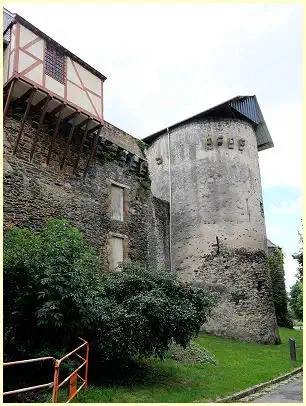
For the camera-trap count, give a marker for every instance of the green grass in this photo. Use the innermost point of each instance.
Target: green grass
(240, 365)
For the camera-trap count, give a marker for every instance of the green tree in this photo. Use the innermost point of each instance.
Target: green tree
(296, 300)
(51, 288)
(296, 292)
(276, 266)
(299, 258)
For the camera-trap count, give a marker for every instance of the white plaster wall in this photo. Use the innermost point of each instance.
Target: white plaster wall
(26, 36)
(79, 97)
(54, 86)
(37, 49)
(90, 81)
(25, 61)
(71, 74)
(11, 68)
(97, 103)
(5, 64)
(13, 39)
(36, 74)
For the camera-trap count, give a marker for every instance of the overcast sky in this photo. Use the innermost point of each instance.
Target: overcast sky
(165, 62)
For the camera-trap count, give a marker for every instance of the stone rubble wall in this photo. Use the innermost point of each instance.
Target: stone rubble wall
(34, 192)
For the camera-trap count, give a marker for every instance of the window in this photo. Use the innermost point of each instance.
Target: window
(116, 252)
(55, 63)
(117, 202)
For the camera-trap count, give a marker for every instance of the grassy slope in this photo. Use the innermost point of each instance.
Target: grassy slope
(240, 365)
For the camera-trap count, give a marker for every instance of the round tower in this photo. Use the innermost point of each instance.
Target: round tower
(218, 239)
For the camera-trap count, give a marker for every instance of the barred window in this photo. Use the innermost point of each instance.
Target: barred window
(55, 63)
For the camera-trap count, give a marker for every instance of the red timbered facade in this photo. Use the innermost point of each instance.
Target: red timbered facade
(53, 82)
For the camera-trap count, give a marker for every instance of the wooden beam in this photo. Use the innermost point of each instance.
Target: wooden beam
(23, 97)
(57, 109)
(81, 146)
(83, 123)
(59, 118)
(47, 101)
(42, 103)
(68, 140)
(9, 96)
(92, 152)
(71, 116)
(23, 120)
(92, 130)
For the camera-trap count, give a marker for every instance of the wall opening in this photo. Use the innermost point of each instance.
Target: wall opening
(259, 285)
(117, 202)
(116, 257)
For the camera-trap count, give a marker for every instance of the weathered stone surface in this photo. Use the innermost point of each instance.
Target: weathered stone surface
(216, 212)
(34, 192)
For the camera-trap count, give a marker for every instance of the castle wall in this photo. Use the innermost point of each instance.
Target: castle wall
(34, 192)
(218, 226)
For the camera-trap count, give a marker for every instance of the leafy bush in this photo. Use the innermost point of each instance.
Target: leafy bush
(51, 288)
(54, 292)
(146, 310)
(280, 299)
(296, 300)
(192, 354)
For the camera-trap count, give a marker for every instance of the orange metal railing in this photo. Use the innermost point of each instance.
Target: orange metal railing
(73, 377)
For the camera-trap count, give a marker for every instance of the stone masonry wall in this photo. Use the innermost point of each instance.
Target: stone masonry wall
(218, 226)
(34, 192)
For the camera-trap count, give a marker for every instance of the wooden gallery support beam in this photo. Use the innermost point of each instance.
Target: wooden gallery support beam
(69, 139)
(59, 110)
(23, 120)
(46, 101)
(93, 149)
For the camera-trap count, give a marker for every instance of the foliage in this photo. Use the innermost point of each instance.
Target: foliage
(51, 288)
(54, 292)
(142, 146)
(144, 189)
(147, 309)
(299, 258)
(296, 300)
(192, 354)
(276, 267)
(296, 292)
(241, 365)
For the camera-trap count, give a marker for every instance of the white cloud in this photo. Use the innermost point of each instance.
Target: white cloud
(288, 208)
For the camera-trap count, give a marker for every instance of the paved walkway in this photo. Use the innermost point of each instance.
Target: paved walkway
(290, 392)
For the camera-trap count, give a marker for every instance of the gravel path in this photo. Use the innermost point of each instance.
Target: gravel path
(289, 391)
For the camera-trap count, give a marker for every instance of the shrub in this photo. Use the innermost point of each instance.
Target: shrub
(51, 289)
(280, 299)
(54, 292)
(192, 354)
(296, 300)
(146, 310)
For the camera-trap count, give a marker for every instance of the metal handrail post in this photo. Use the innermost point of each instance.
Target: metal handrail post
(55, 382)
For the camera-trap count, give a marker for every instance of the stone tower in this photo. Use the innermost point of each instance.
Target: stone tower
(211, 179)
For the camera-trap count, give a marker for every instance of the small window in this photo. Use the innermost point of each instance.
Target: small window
(55, 63)
(116, 252)
(117, 202)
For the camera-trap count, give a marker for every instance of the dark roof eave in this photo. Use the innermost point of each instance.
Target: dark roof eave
(26, 23)
(260, 146)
